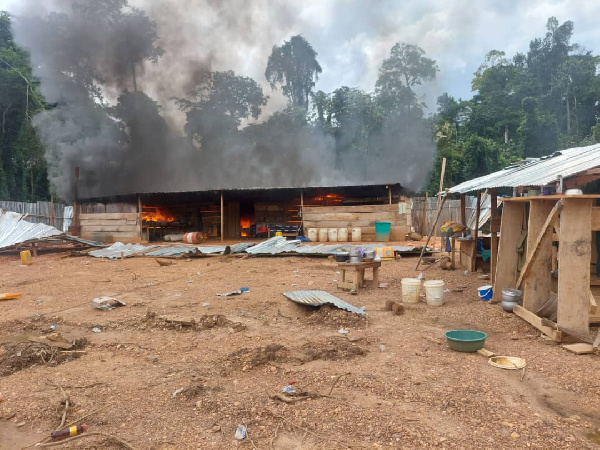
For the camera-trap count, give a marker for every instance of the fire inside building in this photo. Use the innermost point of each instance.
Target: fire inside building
(241, 213)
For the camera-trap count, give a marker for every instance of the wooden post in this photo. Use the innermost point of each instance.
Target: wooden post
(463, 209)
(429, 235)
(538, 280)
(222, 218)
(513, 216)
(438, 202)
(424, 220)
(302, 211)
(140, 217)
(52, 211)
(475, 233)
(574, 255)
(390, 194)
(494, 230)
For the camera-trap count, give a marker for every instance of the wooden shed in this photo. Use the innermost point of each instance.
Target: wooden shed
(544, 245)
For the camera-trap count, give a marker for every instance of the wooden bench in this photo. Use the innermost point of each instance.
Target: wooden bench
(352, 275)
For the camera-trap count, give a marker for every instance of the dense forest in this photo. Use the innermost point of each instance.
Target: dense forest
(526, 105)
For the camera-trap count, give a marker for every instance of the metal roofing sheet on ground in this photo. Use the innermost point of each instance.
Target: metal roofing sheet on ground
(537, 172)
(118, 248)
(273, 246)
(175, 250)
(318, 298)
(15, 230)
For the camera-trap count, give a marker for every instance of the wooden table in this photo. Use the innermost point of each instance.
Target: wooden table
(352, 275)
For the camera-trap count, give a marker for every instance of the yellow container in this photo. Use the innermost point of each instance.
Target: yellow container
(26, 257)
(278, 233)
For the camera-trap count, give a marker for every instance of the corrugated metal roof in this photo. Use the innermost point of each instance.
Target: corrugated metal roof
(241, 247)
(175, 250)
(15, 230)
(537, 172)
(115, 250)
(318, 298)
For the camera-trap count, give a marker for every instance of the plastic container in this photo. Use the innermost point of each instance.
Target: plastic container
(411, 288)
(332, 234)
(26, 257)
(465, 340)
(342, 235)
(382, 231)
(434, 291)
(68, 432)
(312, 234)
(485, 292)
(385, 253)
(322, 234)
(356, 234)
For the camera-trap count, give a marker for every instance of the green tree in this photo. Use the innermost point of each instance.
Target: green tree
(294, 66)
(22, 164)
(222, 100)
(406, 67)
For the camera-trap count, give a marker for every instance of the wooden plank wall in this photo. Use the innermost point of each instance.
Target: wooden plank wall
(450, 212)
(39, 212)
(361, 216)
(111, 227)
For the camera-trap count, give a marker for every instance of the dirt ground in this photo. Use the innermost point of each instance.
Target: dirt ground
(179, 367)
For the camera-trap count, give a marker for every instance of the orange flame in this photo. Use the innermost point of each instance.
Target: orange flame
(156, 215)
(245, 223)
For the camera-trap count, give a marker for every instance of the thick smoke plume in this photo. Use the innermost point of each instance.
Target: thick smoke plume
(110, 73)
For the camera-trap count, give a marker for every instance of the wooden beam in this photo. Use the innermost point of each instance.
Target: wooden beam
(424, 220)
(536, 321)
(593, 304)
(390, 194)
(438, 207)
(463, 209)
(222, 218)
(475, 234)
(140, 216)
(595, 218)
(538, 282)
(429, 235)
(574, 257)
(513, 216)
(494, 243)
(545, 230)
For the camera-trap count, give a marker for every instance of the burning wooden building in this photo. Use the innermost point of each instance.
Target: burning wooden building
(243, 213)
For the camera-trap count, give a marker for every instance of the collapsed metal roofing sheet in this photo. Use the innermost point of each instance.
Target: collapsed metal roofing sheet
(241, 247)
(537, 172)
(273, 246)
(175, 250)
(118, 248)
(318, 298)
(15, 230)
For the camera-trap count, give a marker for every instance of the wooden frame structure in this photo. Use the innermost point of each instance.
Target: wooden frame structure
(562, 221)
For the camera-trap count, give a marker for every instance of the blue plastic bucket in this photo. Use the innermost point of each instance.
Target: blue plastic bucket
(485, 292)
(382, 231)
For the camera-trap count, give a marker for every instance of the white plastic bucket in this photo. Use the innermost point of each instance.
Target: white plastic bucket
(322, 234)
(434, 291)
(356, 234)
(332, 234)
(312, 234)
(342, 235)
(411, 288)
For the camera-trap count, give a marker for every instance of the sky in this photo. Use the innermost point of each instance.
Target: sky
(352, 37)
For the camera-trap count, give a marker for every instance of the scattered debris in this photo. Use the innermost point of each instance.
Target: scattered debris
(383, 285)
(96, 330)
(163, 263)
(398, 309)
(67, 432)
(579, 348)
(240, 433)
(53, 340)
(205, 304)
(230, 294)
(10, 296)
(342, 331)
(289, 389)
(485, 352)
(507, 362)
(318, 298)
(177, 392)
(107, 303)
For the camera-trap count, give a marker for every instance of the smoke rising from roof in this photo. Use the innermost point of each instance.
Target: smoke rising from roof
(91, 55)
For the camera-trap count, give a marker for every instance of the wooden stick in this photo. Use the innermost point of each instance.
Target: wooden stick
(88, 434)
(546, 228)
(336, 380)
(429, 235)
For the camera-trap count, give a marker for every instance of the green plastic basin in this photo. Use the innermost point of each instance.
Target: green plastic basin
(466, 340)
